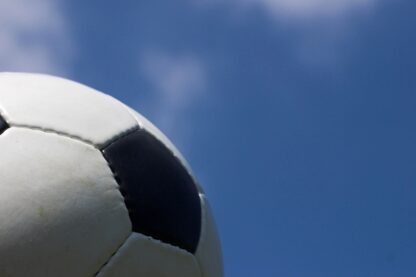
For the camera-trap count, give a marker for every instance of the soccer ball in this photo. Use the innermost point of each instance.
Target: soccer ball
(89, 187)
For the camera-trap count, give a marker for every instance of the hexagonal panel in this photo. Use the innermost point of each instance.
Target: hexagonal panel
(61, 211)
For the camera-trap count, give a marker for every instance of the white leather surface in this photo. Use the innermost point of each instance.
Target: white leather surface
(208, 253)
(141, 256)
(68, 107)
(61, 211)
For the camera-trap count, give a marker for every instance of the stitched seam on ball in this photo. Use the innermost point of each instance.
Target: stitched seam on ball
(162, 243)
(117, 179)
(75, 137)
(119, 136)
(134, 116)
(112, 255)
(177, 248)
(2, 115)
(53, 131)
(180, 250)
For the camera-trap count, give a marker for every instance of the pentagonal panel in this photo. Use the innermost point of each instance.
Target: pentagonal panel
(141, 256)
(63, 106)
(61, 212)
(160, 195)
(208, 254)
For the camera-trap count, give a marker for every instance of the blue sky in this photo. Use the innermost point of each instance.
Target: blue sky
(298, 117)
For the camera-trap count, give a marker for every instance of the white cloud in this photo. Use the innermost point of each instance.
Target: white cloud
(302, 9)
(33, 36)
(176, 80)
(297, 10)
(320, 28)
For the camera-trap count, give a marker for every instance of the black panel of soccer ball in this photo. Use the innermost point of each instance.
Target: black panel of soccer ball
(160, 195)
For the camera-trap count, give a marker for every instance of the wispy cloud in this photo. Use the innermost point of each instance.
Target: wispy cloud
(297, 10)
(34, 36)
(303, 9)
(320, 28)
(176, 80)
